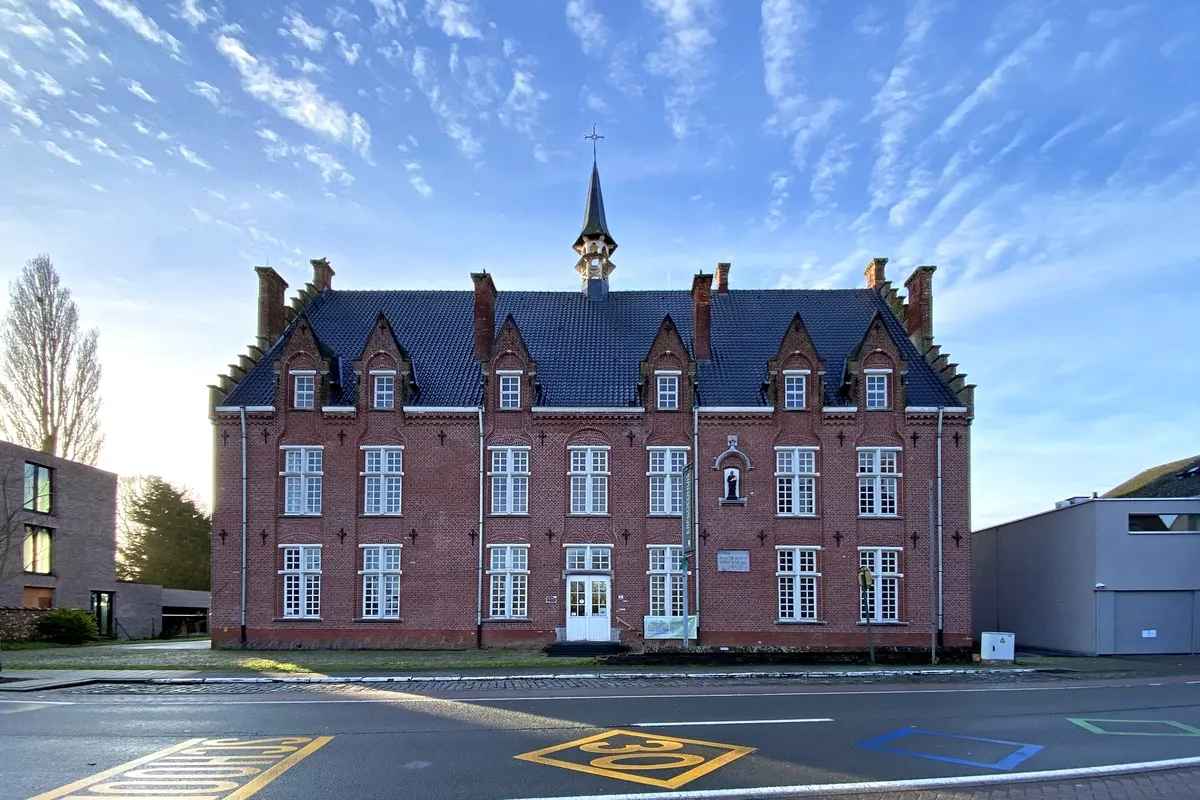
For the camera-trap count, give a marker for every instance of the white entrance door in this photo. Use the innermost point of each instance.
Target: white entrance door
(588, 613)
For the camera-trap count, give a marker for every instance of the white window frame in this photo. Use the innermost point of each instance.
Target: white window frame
(509, 389)
(796, 481)
(510, 480)
(302, 484)
(383, 399)
(508, 585)
(667, 385)
(588, 486)
(795, 389)
(886, 583)
(797, 579)
(386, 475)
(304, 579)
(879, 481)
(595, 557)
(879, 403)
(666, 483)
(309, 393)
(385, 578)
(666, 580)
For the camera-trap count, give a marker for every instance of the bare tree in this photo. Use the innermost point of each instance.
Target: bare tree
(50, 395)
(13, 516)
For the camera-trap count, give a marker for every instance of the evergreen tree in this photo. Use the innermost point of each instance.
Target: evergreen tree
(167, 538)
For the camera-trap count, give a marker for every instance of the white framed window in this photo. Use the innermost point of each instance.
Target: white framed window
(301, 580)
(589, 557)
(510, 390)
(796, 481)
(589, 480)
(668, 391)
(795, 389)
(383, 479)
(510, 480)
(666, 479)
(304, 389)
(508, 579)
(877, 389)
(878, 481)
(384, 389)
(666, 580)
(796, 573)
(381, 581)
(302, 472)
(881, 602)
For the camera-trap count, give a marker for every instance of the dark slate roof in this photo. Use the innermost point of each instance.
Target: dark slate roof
(589, 351)
(594, 222)
(1174, 479)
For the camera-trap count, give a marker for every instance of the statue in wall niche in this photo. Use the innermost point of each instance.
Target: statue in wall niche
(732, 479)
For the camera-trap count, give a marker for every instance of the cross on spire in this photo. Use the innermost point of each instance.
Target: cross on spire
(594, 137)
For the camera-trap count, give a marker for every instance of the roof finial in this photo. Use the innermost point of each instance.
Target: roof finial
(593, 136)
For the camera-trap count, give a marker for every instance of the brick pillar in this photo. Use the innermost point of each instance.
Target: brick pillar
(919, 316)
(271, 320)
(876, 277)
(485, 314)
(723, 277)
(702, 316)
(322, 274)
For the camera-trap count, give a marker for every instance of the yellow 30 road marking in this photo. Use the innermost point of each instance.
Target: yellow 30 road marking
(197, 769)
(626, 755)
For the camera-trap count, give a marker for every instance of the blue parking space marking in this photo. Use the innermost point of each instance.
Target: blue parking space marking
(1014, 759)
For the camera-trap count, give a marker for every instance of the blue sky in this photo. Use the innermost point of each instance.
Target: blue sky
(1042, 154)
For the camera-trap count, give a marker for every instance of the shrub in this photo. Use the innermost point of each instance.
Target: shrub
(67, 626)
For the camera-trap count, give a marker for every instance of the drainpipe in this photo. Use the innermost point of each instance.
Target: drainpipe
(244, 524)
(479, 572)
(940, 622)
(696, 508)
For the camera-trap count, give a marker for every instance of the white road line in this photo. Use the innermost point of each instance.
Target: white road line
(38, 702)
(727, 722)
(820, 790)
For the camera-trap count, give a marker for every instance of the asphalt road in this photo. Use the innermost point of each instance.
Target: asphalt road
(387, 744)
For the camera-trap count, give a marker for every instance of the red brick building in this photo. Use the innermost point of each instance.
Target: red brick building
(447, 468)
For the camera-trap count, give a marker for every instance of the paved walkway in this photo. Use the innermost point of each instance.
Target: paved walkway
(1180, 784)
(41, 680)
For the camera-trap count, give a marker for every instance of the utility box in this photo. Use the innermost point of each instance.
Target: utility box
(996, 646)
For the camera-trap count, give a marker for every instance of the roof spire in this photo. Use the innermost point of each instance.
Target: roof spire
(594, 243)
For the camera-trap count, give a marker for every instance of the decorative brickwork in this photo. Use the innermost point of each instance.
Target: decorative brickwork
(19, 624)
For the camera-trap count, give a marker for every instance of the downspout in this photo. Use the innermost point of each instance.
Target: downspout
(479, 572)
(244, 524)
(940, 623)
(696, 508)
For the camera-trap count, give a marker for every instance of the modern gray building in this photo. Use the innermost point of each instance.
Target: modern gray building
(1094, 576)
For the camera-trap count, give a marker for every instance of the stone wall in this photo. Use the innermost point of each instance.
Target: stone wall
(19, 624)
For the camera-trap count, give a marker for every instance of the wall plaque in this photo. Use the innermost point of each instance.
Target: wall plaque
(733, 561)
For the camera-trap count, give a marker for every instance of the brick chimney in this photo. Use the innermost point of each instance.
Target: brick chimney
(322, 274)
(271, 320)
(485, 315)
(723, 277)
(919, 314)
(702, 316)
(875, 274)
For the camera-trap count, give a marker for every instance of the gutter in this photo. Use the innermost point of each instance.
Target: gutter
(695, 513)
(940, 591)
(242, 412)
(479, 571)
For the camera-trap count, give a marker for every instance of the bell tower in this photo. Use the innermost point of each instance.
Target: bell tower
(594, 244)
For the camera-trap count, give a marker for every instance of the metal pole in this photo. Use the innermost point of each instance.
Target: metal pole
(941, 620)
(687, 523)
(932, 606)
(244, 526)
(479, 562)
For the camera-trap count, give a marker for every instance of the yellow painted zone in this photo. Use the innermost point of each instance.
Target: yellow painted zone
(652, 753)
(196, 769)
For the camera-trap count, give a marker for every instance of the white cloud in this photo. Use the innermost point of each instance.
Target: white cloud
(190, 157)
(419, 183)
(870, 22)
(779, 194)
(74, 49)
(989, 85)
(329, 167)
(12, 98)
(190, 12)
(86, 119)
(297, 27)
(452, 122)
(58, 152)
(596, 103)
(128, 12)
(98, 187)
(209, 92)
(67, 9)
(136, 90)
(683, 58)
(521, 106)
(297, 99)
(454, 17)
(388, 13)
(833, 163)
(587, 23)
(15, 17)
(349, 52)
(303, 65)
(48, 84)
(275, 194)
(100, 147)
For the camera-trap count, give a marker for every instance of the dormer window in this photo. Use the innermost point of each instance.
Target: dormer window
(795, 389)
(510, 389)
(877, 389)
(384, 389)
(668, 391)
(304, 389)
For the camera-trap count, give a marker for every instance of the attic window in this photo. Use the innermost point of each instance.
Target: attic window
(795, 388)
(510, 389)
(877, 388)
(668, 391)
(304, 389)
(384, 389)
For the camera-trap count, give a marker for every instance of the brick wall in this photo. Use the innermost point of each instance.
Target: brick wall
(19, 624)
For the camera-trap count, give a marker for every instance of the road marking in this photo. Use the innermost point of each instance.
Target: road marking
(1179, 728)
(624, 755)
(1011, 761)
(873, 787)
(39, 702)
(727, 722)
(198, 769)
